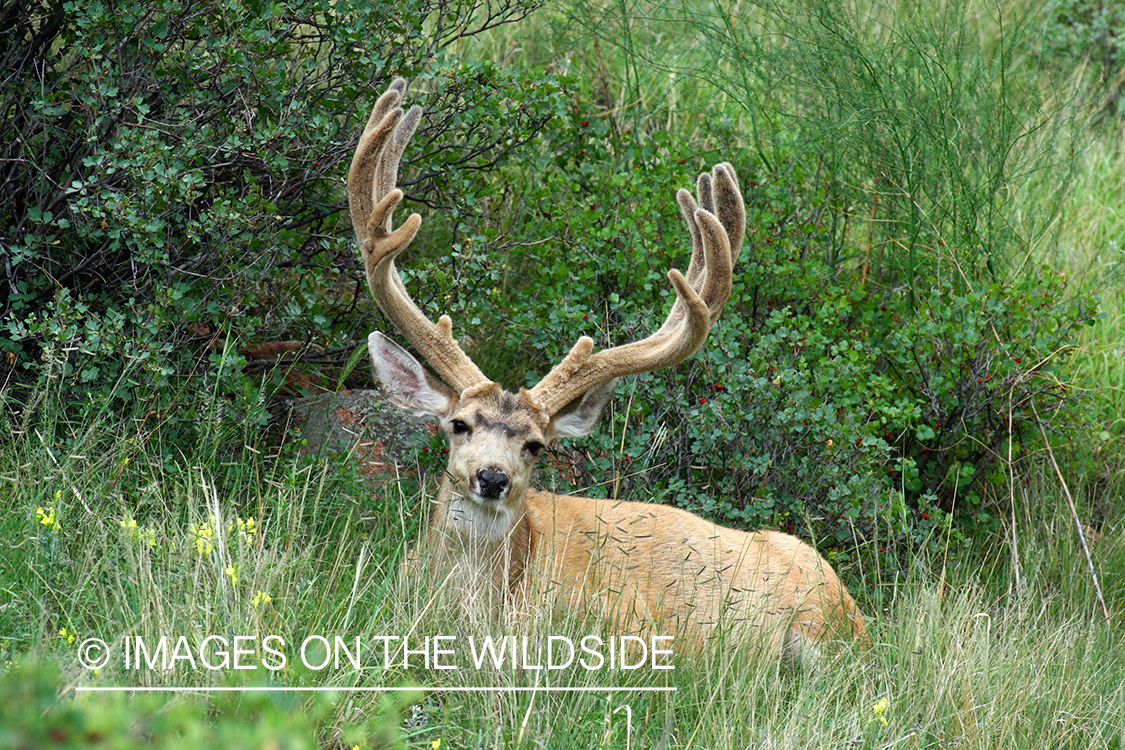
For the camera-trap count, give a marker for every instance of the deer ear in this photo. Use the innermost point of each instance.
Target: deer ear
(578, 418)
(404, 379)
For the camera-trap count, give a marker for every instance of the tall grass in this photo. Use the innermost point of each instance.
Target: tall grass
(1091, 246)
(926, 115)
(961, 656)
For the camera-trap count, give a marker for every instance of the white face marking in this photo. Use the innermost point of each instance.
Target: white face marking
(484, 521)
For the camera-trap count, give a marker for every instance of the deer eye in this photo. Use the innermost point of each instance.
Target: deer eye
(533, 447)
(460, 428)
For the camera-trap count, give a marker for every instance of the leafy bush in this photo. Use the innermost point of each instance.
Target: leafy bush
(33, 716)
(172, 175)
(982, 368)
(826, 401)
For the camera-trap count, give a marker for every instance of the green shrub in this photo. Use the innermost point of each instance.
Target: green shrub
(826, 401)
(34, 716)
(172, 178)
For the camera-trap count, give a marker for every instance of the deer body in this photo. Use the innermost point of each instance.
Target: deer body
(641, 567)
(653, 569)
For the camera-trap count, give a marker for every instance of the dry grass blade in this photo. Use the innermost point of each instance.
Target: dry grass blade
(1073, 513)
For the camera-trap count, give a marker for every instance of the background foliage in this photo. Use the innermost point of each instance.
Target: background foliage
(932, 272)
(172, 176)
(173, 173)
(35, 717)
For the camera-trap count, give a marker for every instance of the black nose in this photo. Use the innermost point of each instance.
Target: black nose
(492, 484)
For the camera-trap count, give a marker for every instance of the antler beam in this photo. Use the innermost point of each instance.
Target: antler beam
(372, 199)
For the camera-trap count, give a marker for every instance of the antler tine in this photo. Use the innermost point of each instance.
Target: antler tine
(361, 175)
(372, 199)
(717, 224)
(727, 205)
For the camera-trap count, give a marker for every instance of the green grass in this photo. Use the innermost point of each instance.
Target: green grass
(962, 656)
(1092, 248)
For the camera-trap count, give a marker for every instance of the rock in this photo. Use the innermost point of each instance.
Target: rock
(384, 439)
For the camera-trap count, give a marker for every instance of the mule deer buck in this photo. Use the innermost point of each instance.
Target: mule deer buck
(642, 567)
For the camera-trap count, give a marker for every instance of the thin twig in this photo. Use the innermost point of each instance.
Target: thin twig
(1073, 512)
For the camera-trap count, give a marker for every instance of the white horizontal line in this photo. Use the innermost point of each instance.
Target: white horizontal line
(283, 689)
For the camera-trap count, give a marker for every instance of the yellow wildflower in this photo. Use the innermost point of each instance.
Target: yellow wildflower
(261, 599)
(202, 536)
(436, 744)
(68, 635)
(247, 529)
(878, 710)
(140, 533)
(47, 517)
(232, 575)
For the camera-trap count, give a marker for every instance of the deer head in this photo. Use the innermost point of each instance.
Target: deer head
(495, 434)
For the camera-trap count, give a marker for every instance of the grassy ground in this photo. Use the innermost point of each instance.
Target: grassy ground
(1002, 643)
(963, 656)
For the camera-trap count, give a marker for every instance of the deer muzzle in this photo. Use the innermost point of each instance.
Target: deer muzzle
(491, 484)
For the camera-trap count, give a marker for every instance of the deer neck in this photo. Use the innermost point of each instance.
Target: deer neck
(466, 519)
(499, 538)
